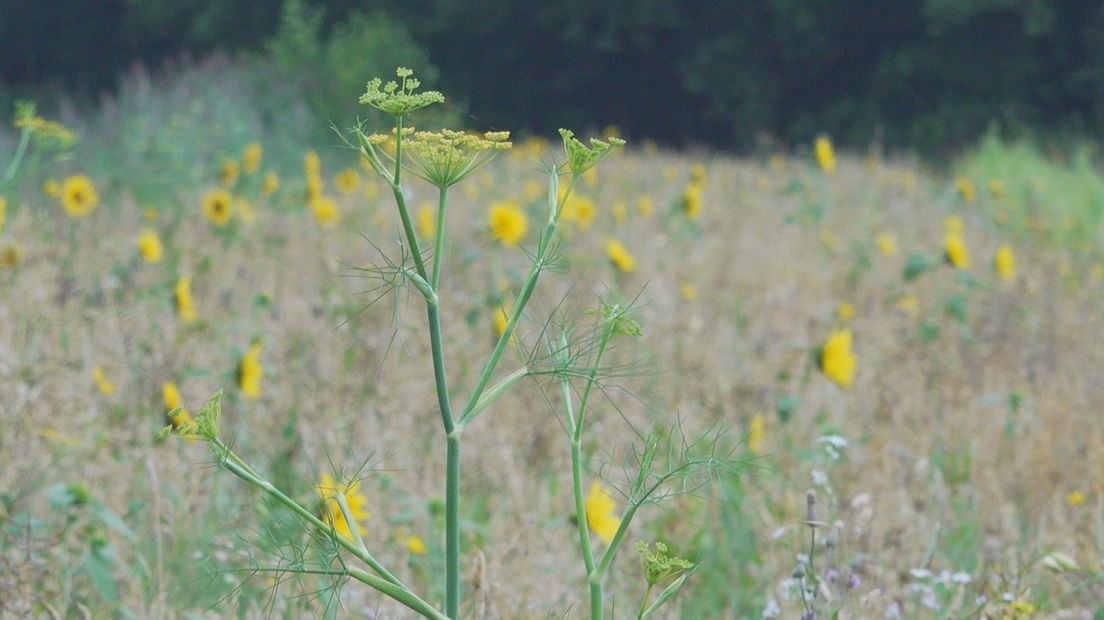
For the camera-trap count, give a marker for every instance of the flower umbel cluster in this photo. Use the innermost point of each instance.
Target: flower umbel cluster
(399, 98)
(581, 157)
(660, 566)
(446, 157)
(28, 120)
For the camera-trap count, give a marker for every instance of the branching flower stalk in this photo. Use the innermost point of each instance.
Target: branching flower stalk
(46, 135)
(683, 470)
(444, 159)
(614, 322)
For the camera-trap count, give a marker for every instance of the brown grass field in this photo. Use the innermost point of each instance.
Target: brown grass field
(974, 443)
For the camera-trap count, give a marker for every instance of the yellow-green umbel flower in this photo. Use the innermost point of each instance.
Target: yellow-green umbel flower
(581, 157)
(42, 129)
(446, 157)
(399, 98)
(660, 566)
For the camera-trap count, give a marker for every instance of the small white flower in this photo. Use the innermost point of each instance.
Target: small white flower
(962, 577)
(819, 477)
(893, 611)
(772, 610)
(920, 573)
(779, 532)
(790, 588)
(1007, 597)
(833, 440)
(929, 600)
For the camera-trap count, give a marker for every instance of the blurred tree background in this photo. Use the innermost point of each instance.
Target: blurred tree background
(926, 74)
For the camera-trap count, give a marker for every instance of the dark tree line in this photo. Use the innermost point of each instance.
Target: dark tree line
(927, 73)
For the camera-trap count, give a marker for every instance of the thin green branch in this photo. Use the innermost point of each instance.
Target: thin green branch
(493, 394)
(354, 527)
(266, 486)
(399, 594)
(439, 246)
(607, 334)
(523, 298)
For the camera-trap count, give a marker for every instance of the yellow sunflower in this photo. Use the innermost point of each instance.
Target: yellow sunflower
(328, 488)
(149, 246)
(837, 360)
(78, 195)
(325, 210)
(217, 207)
(601, 512)
(250, 372)
(825, 154)
(620, 256)
(182, 296)
(508, 223)
(251, 157)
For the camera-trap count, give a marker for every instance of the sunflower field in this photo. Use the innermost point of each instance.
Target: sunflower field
(236, 367)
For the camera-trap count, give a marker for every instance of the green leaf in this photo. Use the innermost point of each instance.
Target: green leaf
(917, 264)
(928, 332)
(112, 520)
(956, 307)
(98, 566)
(786, 406)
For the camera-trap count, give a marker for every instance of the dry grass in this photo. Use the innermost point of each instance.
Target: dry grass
(342, 386)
